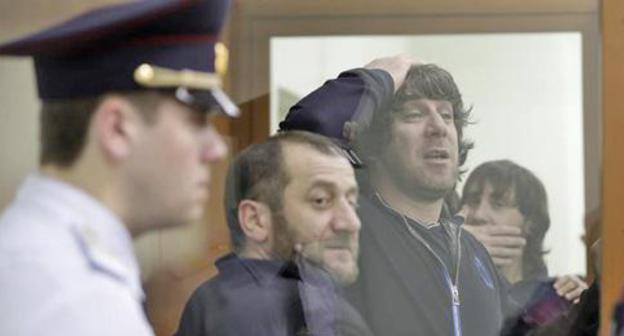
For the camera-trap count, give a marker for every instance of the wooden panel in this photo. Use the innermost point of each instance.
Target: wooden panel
(253, 124)
(18, 18)
(613, 159)
(324, 8)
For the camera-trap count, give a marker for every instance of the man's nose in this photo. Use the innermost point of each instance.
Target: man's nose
(213, 147)
(436, 125)
(346, 218)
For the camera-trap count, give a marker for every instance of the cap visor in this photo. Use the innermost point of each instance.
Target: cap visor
(209, 100)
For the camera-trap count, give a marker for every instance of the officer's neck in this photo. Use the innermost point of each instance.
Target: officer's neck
(91, 179)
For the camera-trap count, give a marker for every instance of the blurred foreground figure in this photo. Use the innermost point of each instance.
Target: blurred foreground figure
(125, 146)
(420, 273)
(502, 202)
(290, 202)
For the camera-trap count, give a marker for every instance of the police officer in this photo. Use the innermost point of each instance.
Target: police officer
(125, 147)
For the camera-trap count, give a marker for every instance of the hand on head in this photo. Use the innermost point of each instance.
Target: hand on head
(397, 66)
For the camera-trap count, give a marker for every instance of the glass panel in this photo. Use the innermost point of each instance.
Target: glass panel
(527, 98)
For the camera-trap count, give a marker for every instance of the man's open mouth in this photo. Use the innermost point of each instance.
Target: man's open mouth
(437, 154)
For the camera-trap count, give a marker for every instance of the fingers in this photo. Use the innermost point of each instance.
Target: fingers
(396, 66)
(570, 281)
(505, 252)
(498, 236)
(495, 230)
(504, 243)
(570, 287)
(575, 295)
(503, 230)
(504, 256)
(498, 261)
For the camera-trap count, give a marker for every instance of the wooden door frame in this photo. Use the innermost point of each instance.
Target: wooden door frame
(613, 157)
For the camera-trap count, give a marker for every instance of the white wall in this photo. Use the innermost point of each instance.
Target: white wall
(19, 111)
(526, 90)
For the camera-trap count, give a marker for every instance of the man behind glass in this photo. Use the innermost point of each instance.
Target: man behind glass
(290, 202)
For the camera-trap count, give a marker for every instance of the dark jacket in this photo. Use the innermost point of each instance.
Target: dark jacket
(272, 298)
(404, 288)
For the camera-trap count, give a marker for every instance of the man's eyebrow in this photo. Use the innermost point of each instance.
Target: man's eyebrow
(326, 184)
(410, 106)
(355, 189)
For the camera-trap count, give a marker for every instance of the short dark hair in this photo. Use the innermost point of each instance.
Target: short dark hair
(64, 124)
(530, 198)
(425, 81)
(258, 173)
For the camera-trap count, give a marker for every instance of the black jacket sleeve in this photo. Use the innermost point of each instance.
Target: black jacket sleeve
(353, 96)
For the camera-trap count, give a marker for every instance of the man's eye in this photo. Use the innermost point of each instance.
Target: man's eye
(447, 115)
(498, 203)
(198, 119)
(320, 202)
(412, 115)
(354, 203)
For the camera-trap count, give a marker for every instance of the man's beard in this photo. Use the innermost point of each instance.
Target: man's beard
(284, 241)
(416, 184)
(312, 251)
(424, 189)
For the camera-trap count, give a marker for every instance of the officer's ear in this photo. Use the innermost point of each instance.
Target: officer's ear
(255, 220)
(114, 126)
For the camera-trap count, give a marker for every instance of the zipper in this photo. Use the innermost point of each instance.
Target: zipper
(457, 327)
(453, 284)
(454, 288)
